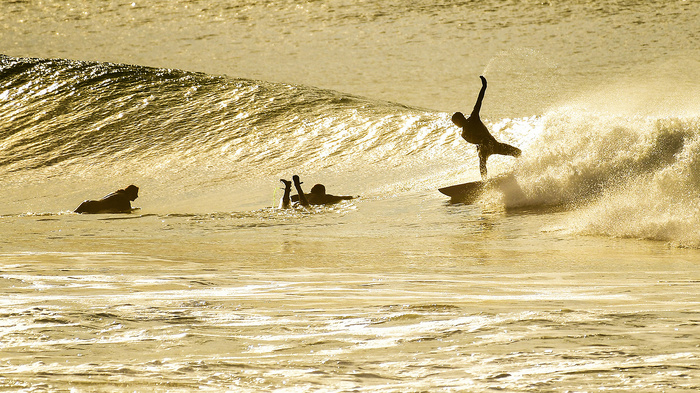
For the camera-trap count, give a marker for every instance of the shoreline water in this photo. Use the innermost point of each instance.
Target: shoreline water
(327, 305)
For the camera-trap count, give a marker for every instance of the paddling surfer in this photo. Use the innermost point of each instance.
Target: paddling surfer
(116, 202)
(317, 196)
(474, 131)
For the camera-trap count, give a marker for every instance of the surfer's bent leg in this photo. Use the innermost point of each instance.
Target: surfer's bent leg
(507, 150)
(484, 153)
(88, 207)
(302, 197)
(286, 203)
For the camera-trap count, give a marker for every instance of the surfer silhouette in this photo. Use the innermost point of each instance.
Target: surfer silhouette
(317, 196)
(116, 202)
(474, 131)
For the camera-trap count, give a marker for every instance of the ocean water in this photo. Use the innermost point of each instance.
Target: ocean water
(585, 279)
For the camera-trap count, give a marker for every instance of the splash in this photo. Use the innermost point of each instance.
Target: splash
(518, 60)
(620, 176)
(522, 79)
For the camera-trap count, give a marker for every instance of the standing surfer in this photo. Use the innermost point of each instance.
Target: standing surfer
(474, 131)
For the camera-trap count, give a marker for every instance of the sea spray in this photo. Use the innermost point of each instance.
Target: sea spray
(620, 176)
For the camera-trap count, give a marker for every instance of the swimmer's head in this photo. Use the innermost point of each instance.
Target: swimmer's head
(459, 119)
(132, 192)
(319, 189)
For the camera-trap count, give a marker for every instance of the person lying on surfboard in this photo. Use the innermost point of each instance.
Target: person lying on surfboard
(474, 131)
(317, 196)
(117, 202)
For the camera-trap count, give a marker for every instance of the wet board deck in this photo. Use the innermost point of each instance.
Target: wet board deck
(465, 192)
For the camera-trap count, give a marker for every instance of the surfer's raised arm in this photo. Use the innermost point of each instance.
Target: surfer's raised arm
(297, 185)
(477, 106)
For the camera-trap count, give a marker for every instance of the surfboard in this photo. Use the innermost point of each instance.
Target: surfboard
(468, 193)
(464, 193)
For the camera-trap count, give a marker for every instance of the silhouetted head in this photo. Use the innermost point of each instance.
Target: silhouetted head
(459, 119)
(319, 189)
(132, 192)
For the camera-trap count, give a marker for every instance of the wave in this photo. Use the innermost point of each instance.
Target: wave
(188, 136)
(60, 112)
(621, 176)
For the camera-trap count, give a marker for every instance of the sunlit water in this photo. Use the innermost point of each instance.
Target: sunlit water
(337, 301)
(585, 280)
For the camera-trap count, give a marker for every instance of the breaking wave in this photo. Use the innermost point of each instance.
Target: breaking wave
(189, 135)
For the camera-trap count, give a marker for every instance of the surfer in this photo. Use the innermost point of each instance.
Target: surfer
(116, 202)
(317, 196)
(474, 131)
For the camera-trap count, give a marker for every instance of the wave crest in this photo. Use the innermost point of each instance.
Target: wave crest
(635, 177)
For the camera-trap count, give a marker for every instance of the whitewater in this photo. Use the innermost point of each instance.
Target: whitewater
(586, 279)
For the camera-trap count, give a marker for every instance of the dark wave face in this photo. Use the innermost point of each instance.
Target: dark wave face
(58, 112)
(188, 137)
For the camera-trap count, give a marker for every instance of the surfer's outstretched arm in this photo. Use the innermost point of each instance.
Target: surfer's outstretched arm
(302, 197)
(477, 106)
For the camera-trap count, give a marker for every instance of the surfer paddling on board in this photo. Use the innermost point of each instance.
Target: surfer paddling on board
(317, 196)
(117, 202)
(474, 131)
